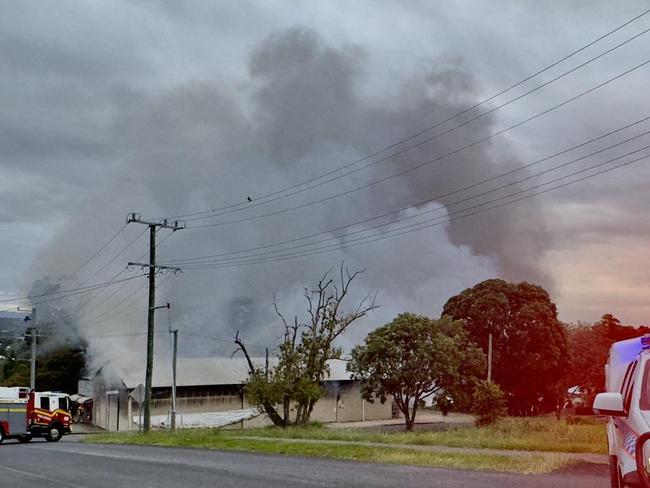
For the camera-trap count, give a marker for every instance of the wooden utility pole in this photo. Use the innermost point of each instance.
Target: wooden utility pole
(489, 374)
(175, 351)
(33, 332)
(153, 268)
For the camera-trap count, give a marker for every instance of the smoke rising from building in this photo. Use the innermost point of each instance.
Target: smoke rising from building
(304, 107)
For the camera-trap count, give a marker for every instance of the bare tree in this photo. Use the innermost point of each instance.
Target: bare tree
(306, 348)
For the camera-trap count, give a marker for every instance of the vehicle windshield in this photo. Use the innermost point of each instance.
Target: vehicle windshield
(644, 402)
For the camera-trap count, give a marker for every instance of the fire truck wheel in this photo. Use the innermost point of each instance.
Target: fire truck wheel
(55, 433)
(2, 435)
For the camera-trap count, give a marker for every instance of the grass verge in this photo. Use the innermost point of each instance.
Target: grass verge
(525, 434)
(224, 440)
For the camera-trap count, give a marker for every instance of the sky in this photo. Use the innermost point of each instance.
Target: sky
(179, 108)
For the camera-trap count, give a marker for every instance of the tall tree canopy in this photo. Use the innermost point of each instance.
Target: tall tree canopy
(414, 357)
(529, 342)
(588, 350)
(58, 369)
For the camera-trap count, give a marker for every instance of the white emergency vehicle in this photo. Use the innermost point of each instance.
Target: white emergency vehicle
(627, 403)
(14, 392)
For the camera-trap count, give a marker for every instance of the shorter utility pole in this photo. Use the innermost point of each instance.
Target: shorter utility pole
(32, 369)
(489, 374)
(174, 355)
(174, 334)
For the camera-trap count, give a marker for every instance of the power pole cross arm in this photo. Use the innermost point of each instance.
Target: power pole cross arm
(155, 266)
(164, 223)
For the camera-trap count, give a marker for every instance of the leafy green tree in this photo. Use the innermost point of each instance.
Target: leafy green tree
(414, 357)
(18, 375)
(529, 347)
(14, 370)
(60, 369)
(295, 383)
(588, 350)
(488, 403)
(588, 346)
(612, 329)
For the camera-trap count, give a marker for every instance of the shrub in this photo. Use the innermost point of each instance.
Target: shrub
(488, 403)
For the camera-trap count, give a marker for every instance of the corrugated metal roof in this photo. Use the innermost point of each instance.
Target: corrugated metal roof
(212, 371)
(202, 419)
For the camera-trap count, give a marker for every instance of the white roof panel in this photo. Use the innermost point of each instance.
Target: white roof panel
(212, 371)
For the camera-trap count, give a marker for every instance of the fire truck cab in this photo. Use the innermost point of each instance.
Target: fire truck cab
(626, 402)
(38, 414)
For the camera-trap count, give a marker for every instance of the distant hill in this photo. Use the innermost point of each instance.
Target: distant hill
(12, 327)
(12, 315)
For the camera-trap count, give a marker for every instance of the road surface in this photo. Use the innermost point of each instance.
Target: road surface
(73, 464)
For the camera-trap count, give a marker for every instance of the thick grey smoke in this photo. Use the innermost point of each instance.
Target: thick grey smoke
(305, 107)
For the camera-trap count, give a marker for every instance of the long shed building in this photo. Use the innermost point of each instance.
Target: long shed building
(210, 391)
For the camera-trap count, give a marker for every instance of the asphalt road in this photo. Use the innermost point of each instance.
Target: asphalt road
(72, 464)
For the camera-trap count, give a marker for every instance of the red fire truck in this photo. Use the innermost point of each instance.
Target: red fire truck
(25, 414)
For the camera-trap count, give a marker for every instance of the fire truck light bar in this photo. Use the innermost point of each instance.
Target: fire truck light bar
(645, 341)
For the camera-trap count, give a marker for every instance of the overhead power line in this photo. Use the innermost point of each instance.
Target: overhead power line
(70, 290)
(268, 197)
(72, 294)
(82, 326)
(94, 297)
(99, 251)
(79, 313)
(112, 260)
(132, 298)
(113, 311)
(124, 334)
(98, 294)
(474, 210)
(98, 291)
(93, 290)
(434, 210)
(428, 162)
(427, 141)
(438, 196)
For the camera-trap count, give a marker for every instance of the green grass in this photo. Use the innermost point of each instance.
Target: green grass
(224, 440)
(526, 434)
